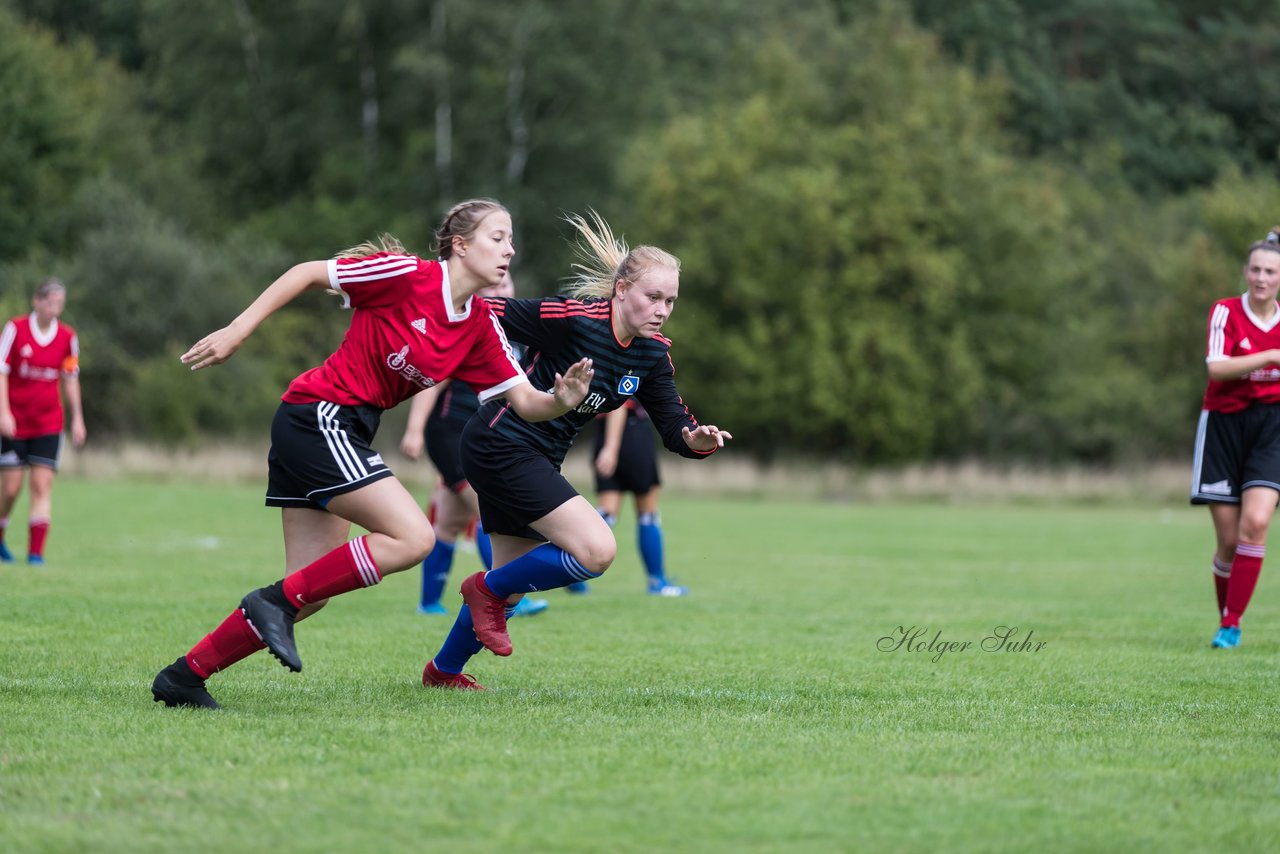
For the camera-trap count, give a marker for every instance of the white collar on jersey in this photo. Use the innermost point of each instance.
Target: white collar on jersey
(447, 291)
(43, 338)
(1264, 325)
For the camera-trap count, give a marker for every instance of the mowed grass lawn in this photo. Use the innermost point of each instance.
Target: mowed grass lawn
(759, 714)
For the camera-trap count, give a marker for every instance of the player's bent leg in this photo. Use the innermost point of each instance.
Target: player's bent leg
(577, 528)
(581, 548)
(399, 534)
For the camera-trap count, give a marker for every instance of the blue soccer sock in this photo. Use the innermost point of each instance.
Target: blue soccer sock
(609, 518)
(484, 547)
(649, 534)
(545, 568)
(435, 572)
(461, 644)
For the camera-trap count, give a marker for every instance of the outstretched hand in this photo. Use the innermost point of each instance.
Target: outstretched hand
(707, 437)
(571, 388)
(213, 349)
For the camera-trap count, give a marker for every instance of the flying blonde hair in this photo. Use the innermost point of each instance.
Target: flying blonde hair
(604, 260)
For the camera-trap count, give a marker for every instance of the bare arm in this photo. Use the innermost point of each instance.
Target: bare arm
(614, 425)
(419, 411)
(71, 387)
(1236, 367)
(570, 390)
(216, 347)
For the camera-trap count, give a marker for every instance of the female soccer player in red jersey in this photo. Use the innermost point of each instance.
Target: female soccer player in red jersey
(417, 323)
(1237, 454)
(39, 362)
(544, 534)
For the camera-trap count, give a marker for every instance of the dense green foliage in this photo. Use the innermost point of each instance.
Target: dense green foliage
(910, 230)
(750, 716)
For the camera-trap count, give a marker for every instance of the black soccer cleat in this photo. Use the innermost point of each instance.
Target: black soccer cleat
(178, 685)
(271, 616)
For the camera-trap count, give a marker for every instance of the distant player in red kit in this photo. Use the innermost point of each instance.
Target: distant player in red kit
(39, 363)
(415, 323)
(1237, 453)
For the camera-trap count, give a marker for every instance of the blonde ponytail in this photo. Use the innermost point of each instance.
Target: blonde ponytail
(604, 259)
(386, 243)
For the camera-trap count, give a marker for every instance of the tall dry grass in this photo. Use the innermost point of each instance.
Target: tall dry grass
(725, 473)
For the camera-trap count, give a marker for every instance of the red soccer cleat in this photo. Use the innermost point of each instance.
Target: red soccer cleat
(434, 677)
(488, 615)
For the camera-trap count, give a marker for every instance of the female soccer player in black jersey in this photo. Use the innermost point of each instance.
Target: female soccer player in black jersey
(544, 534)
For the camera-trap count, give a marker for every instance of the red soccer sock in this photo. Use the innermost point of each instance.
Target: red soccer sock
(1221, 578)
(39, 529)
(1244, 577)
(346, 568)
(231, 641)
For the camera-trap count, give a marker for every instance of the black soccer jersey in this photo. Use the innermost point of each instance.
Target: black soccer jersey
(457, 403)
(558, 332)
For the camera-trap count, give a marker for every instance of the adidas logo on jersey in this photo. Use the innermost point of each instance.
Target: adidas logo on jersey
(1245, 345)
(421, 325)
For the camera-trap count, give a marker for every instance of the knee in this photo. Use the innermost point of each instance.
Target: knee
(419, 543)
(598, 556)
(1253, 527)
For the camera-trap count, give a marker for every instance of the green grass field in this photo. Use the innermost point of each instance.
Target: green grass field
(758, 714)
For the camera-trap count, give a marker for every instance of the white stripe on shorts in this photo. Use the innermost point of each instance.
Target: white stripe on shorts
(344, 455)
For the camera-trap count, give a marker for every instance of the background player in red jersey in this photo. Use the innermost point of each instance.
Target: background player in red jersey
(544, 534)
(1237, 454)
(39, 363)
(417, 323)
(436, 419)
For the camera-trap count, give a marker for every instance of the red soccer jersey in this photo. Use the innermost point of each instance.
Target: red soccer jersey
(405, 336)
(1234, 330)
(35, 363)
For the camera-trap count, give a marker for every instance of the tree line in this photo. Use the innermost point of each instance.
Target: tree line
(909, 230)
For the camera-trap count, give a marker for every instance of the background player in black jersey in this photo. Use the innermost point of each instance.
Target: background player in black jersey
(625, 461)
(436, 418)
(544, 534)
